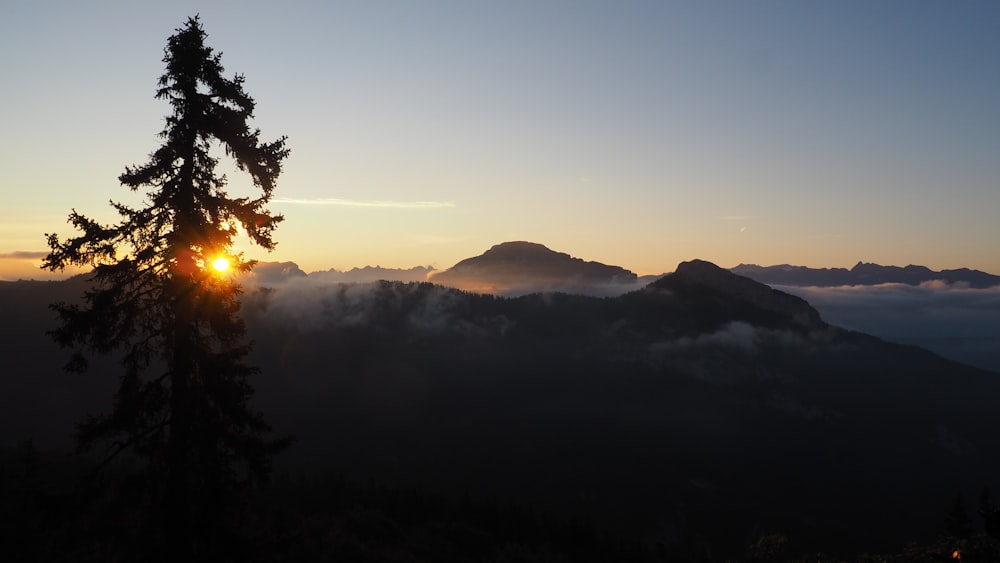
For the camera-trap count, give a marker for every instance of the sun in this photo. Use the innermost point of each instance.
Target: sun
(221, 264)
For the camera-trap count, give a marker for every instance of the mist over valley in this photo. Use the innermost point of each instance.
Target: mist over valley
(700, 408)
(955, 313)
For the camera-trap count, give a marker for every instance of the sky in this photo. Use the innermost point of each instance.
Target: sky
(633, 133)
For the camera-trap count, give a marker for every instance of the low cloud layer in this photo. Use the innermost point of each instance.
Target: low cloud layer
(26, 265)
(955, 321)
(24, 255)
(310, 304)
(526, 286)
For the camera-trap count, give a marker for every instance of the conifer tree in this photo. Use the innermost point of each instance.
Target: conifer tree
(182, 403)
(957, 523)
(990, 513)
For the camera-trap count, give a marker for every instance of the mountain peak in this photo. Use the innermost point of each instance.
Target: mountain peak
(703, 268)
(519, 267)
(521, 247)
(696, 276)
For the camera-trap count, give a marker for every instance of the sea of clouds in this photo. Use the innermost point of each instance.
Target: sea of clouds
(953, 320)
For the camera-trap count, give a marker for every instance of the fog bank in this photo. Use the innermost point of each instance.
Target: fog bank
(954, 321)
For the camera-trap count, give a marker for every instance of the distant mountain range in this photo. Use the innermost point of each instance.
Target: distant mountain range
(270, 273)
(951, 326)
(519, 268)
(374, 273)
(863, 274)
(701, 409)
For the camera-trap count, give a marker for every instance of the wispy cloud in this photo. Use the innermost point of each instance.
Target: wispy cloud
(23, 255)
(366, 203)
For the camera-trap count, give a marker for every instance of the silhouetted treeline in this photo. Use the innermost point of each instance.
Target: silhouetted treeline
(329, 517)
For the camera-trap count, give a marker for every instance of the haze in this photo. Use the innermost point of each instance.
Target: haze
(639, 133)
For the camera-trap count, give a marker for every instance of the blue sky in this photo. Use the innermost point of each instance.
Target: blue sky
(634, 133)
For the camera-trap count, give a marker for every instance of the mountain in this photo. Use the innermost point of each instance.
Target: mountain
(271, 273)
(517, 268)
(862, 274)
(370, 274)
(700, 408)
(732, 293)
(698, 412)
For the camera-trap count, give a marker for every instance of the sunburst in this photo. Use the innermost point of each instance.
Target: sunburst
(221, 264)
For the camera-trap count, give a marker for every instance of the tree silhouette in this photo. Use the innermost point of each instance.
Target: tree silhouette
(990, 513)
(182, 404)
(957, 523)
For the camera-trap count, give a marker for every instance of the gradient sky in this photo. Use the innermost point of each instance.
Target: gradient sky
(638, 134)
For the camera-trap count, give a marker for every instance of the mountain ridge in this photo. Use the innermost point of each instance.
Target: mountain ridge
(738, 290)
(370, 273)
(863, 273)
(519, 267)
